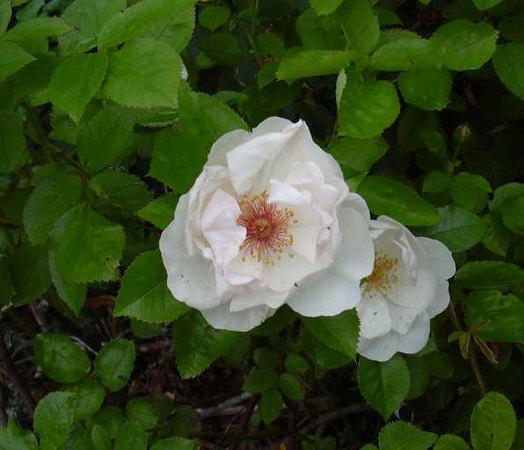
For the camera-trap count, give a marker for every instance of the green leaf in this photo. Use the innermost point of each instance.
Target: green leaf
(225, 48)
(114, 363)
(402, 435)
(144, 74)
(5, 18)
(504, 315)
(290, 387)
(260, 380)
(392, 198)
(323, 357)
(174, 444)
(138, 19)
(105, 138)
(511, 27)
(38, 27)
(493, 423)
(436, 182)
(87, 399)
(53, 420)
(270, 405)
(100, 438)
(144, 295)
(87, 246)
(324, 7)
(11, 437)
(160, 211)
(509, 65)
(486, 4)
(489, 275)
(131, 436)
(110, 418)
(470, 191)
(360, 25)
(407, 53)
(419, 129)
(312, 63)
(356, 156)
(47, 203)
(518, 443)
(467, 45)
(367, 108)
(120, 189)
(339, 333)
(266, 358)
(497, 237)
(75, 82)
(458, 229)
(505, 194)
(12, 58)
(60, 359)
(384, 385)
(296, 365)
(197, 344)
(7, 290)
(451, 442)
(29, 272)
(271, 44)
(142, 411)
(178, 30)
(12, 142)
(213, 17)
(414, 84)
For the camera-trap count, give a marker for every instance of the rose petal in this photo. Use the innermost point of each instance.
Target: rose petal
(440, 258)
(374, 316)
(224, 319)
(440, 300)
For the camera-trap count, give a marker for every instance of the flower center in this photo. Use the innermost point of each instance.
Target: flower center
(384, 275)
(266, 227)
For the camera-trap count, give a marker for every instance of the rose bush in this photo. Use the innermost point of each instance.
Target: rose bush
(269, 221)
(407, 288)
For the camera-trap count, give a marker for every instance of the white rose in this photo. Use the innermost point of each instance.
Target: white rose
(269, 221)
(406, 289)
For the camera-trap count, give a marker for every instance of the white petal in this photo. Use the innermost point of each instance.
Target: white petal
(305, 232)
(328, 295)
(305, 173)
(441, 299)
(374, 317)
(286, 194)
(290, 269)
(440, 258)
(402, 317)
(224, 319)
(219, 227)
(416, 296)
(252, 298)
(224, 144)
(356, 202)
(271, 125)
(384, 347)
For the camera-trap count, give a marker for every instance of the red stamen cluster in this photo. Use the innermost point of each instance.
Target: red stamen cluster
(266, 228)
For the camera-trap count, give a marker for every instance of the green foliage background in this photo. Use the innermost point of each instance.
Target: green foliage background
(422, 104)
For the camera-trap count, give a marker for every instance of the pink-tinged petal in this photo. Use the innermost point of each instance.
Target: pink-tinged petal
(223, 319)
(374, 316)
(440, 258)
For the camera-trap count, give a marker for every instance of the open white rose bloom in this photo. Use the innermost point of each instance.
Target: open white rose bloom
(269, 221)
(406, 289)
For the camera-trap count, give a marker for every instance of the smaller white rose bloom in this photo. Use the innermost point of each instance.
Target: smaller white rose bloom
(407, 288)
(269, 221)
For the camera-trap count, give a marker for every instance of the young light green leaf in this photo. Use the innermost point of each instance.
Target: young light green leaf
(35, 28)
(160, 211)
(451, 442)
(60, 359)
(87, 246)
(47, 203)
(367, 108)
(144, 74)
(339, 333)
(384, 385)
(509, 65)
(392, 198)
(467, 45)
(12, 141)
(131, 436)
(11, 437)
(356, 156)
(114, 363)
(144, 294)
(105, 138)
(458, 229)
(75, 82)
(413, 86)
(360, 25)
(12, 58)
(178, 30)
(120, 189)
(397, 435)
(87, 399)
(197, 344)
(138, 19)
(489, 275)
(53, 420)
(407, 53)
(312, 63)
(493, 423)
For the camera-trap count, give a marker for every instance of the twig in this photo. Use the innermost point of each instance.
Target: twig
(38, 318)
(291, 424)
(225, 408)
(333, 415)
(246, 414)
(15, 379)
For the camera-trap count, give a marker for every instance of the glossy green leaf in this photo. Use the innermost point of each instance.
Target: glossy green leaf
(509, 65)
(384, 385)
(87, 398)
(114, 363)
(407, 53)
(413, 86)
(360, 25)
(260, 380)
(131, 437)
(451, 442)
(323, 7)
(290, 387)
(53, 420)
(489, 275)
(470, 191)
(174, 444)
(38, 27)
(11, 437)
(144, 294)
(160, 211)
(12, 58)
(270, 405)
(312, 63)
(356, 156)
(402, 435)
(213, 17)
(142, 411)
